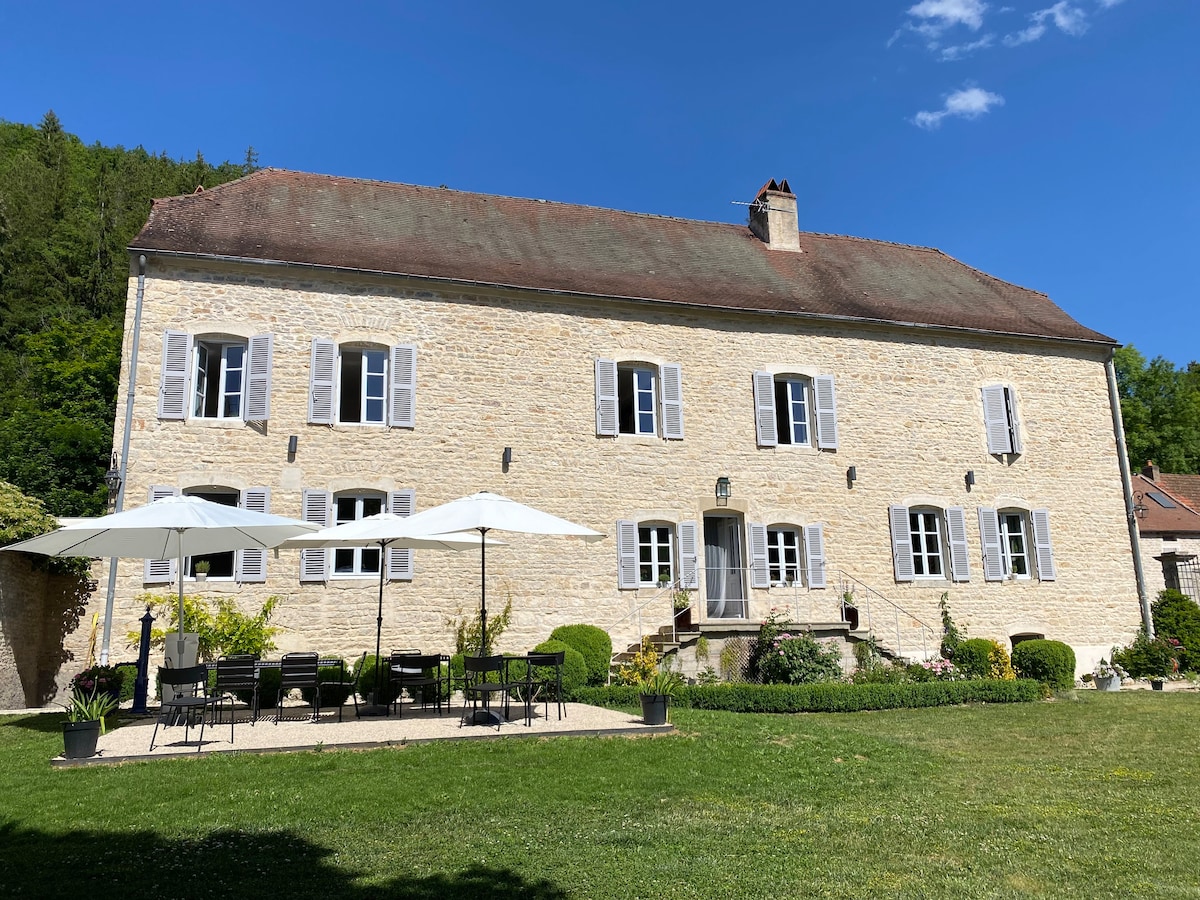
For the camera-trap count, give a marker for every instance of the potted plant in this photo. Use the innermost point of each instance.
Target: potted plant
(85, 723)
(657, 692)
(202, 568)
(104, 681)
(1107, 676)
(681, 600)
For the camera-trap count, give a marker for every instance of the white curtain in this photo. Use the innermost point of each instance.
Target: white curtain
(723, 575)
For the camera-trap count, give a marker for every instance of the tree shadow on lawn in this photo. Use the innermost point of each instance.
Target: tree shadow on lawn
(47, 722)
(96, 864)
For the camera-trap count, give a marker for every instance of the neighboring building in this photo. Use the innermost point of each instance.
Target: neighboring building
(1169, 530)
(891, 422)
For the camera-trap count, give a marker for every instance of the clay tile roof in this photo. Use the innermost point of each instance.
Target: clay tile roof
(1185, 487)
(323, 220)
(1182, 519)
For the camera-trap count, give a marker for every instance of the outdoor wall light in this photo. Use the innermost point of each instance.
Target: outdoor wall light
(293, 442)
(112, 480)
(506, 458)
(970, 479)
(1139, 508)
(851, 476)
(723, 491)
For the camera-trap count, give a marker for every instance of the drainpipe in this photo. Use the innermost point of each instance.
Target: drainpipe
(123, 460)
(1114, 401)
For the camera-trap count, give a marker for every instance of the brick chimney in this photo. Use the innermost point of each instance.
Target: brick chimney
(1150, 470)
(773, 217)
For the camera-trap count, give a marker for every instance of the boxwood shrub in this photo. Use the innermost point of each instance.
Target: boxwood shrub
(971, 657)
(828, 697)
(593, 644)
(1050, 662)
(365, 673)
(330, 696)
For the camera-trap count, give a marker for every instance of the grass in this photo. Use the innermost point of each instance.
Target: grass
(1095, 795)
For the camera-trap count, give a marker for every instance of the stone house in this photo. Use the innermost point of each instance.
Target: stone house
(1169, 529)
(889, 425)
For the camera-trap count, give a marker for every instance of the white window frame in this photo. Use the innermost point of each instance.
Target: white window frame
(377, 353)
(202, 350)
(788, 386)
(639, 399)
(1004, 517)
(659, 538)
(918, 521)
(637, 388)
(783, 540)
(356, 569)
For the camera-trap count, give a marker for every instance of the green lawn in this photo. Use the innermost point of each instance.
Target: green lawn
(1094, 796)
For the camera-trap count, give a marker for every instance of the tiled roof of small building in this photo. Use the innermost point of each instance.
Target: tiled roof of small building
(1185, 487)
(1159, 519)
(348, 223)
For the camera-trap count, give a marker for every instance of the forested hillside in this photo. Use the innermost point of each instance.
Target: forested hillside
(67, 213)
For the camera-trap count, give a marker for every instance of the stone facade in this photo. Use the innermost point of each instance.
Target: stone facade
(501, 368)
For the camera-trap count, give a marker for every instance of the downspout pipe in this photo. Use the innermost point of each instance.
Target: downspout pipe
(123, 459)
(1114, 401)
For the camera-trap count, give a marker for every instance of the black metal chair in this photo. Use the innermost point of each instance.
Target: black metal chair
(298, 671)
(484, 678)
(184, 695)
(350, 684)
(236, 673)
(543, 676)
(418, 674)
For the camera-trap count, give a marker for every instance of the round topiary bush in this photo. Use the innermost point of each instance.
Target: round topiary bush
(575, 672)
(971, 657)
(365, 673)
(1050, 662)
(330, 695)
(593, 644)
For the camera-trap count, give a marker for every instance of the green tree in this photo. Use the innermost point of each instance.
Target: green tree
(1161, 409)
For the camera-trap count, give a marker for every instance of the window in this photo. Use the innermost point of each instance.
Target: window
(787, 555)
(795, 409)
(1000, 419)
(225, 377)
(783, 556)
(361, 384)
(650, 554)
(325, 509)
(356, 560)
(1006, 536)
(639, 398)
(245, 566)
(928, 543)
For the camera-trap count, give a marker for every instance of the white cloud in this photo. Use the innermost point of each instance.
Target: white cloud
(959, 51)
(967, 103)
(1109, 4)
(943, 14)
(1068, 19)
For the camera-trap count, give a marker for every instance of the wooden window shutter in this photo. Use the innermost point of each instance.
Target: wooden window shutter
(322, 374)
(902, 556)
(402, 403)
(1010, 403)
(689, 555)
(760, 576)
(814, 554)
(765, 428)
(1041, 544)
(627, 554)
(995, 420)
(956, 533)
(989, 538)
(316, 506)
(826, 404)
(250, 565)
(606, 398)
(671, 382)
(258, 378)
(176, 369)
(400, 559)
(161, 571)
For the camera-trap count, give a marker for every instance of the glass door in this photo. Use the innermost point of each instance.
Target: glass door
(724, 572)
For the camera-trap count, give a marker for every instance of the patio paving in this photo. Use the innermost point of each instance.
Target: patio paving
(297, 732)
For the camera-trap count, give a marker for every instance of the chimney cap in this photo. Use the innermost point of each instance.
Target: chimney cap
(773, 186)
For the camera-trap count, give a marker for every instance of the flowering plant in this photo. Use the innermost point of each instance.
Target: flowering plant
(1106, 669)
(98, 680)
(942, 670)
(783, 656)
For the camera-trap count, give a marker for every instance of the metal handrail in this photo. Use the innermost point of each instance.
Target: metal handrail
(927, 632)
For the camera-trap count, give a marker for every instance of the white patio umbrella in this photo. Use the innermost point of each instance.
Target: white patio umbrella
(388, 531)
(484, 512)
(168, 528)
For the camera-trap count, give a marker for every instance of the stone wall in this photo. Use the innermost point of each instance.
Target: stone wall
(501, 369)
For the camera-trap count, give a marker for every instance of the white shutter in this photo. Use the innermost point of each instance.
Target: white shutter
(814, 554)
(606, 398)
(764, 409)
(995, 420)
(1041, 544)
(258, 380)
(402, 403)
(161, 571)
(173, 383)
(322, 374)
(956, 532)
(826, 404)
(989, 538)
(316, 506)
(689, 555)
(671, 382)
(251, 565)
(627, 554)
(760, 577)
(1010, 401)
(400, 559)
(902, 554)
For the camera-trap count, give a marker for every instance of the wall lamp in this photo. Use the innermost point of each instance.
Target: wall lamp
(970, 479)
(112, 480)
(1139, 508)
(723, 491)
(293, 443)
(851, 476)
(506, 459)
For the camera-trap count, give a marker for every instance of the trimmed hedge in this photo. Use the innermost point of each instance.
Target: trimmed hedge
(971, 657)
(794, 698)
(593, 644)
(1050, 662)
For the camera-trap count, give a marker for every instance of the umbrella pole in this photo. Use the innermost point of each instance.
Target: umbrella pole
(179, 646)
(376, 708)
(483, 592)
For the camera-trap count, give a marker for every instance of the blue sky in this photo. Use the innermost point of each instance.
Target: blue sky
(1053, 144)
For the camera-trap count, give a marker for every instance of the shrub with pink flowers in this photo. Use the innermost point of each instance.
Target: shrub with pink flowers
(783, 654)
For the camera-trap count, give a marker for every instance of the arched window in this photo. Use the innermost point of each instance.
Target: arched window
(795, 409)
(249, 565)
(362, 384)
(929, 543)
(784, 555)
(1016, 544)
(639, 398)
(215, 376)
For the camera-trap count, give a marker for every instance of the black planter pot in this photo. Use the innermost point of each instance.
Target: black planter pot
(654, 708)
(79, 739)
(683, 619)
(1156, 684)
